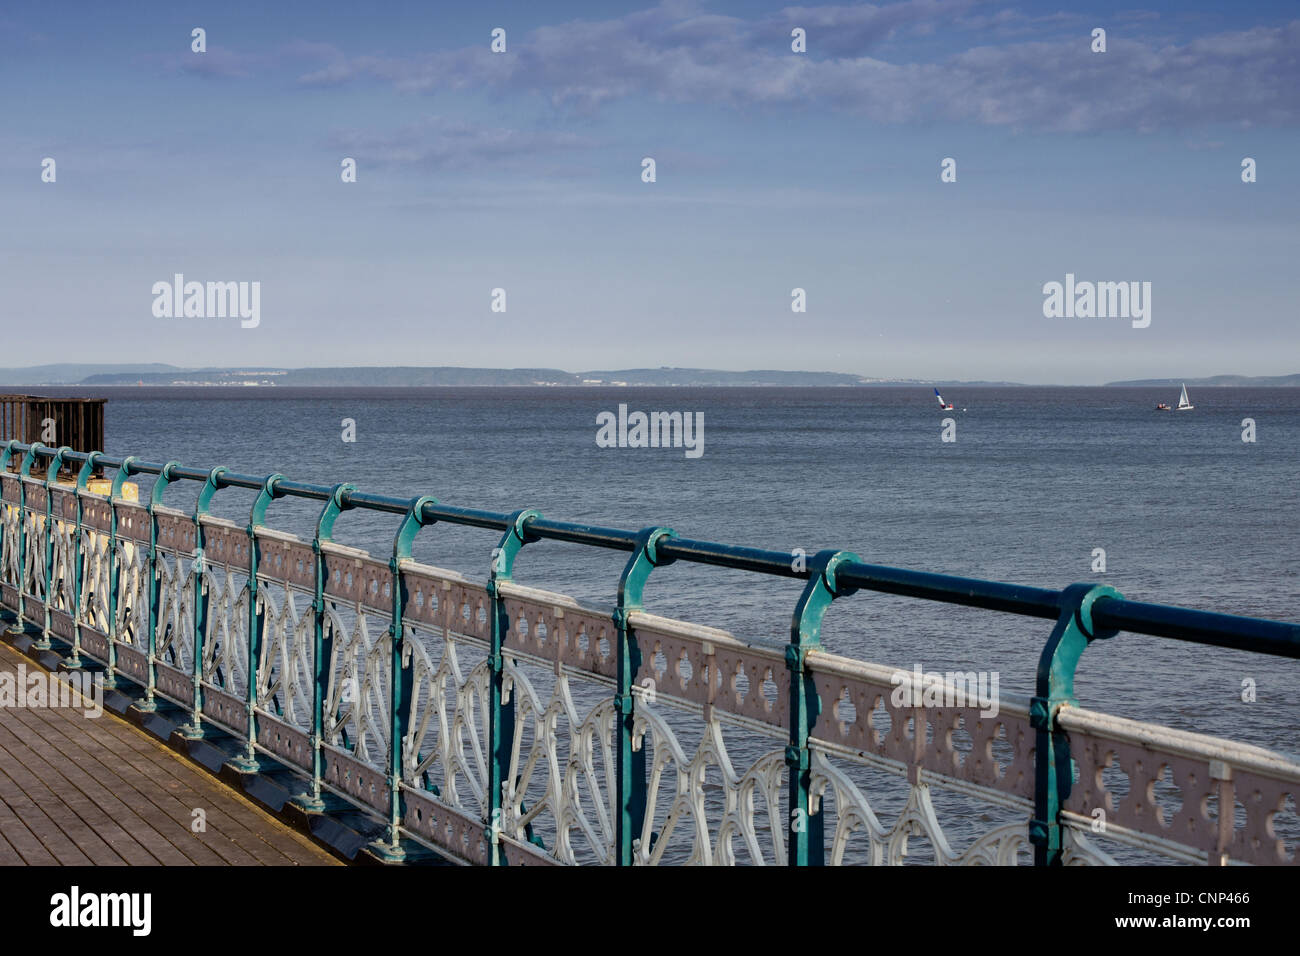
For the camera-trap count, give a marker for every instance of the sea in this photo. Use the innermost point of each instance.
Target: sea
(1032, 486)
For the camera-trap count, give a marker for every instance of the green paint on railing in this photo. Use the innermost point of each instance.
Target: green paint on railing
(1053, 768)
(501, 711)
(829, 575)
(630, 780)
(334, 505)
(247, 762)
(806, 846)
(153, 596)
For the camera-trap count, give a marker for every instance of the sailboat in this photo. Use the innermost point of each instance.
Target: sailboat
(941, 404)
(1183, 404)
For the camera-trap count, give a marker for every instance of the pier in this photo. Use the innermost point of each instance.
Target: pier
(77, 791)
(400, 713)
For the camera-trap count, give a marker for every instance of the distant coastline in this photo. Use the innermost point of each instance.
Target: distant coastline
(160, 375)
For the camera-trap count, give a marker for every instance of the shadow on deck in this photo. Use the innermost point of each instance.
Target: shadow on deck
(82, 790)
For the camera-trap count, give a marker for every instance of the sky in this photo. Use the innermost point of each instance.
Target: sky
(774, 170)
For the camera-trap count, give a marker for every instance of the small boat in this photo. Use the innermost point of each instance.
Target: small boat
(1163, 407)
(941, 404)
(1183, 404)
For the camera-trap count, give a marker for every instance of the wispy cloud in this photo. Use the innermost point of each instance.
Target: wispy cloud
(443, 142)
(217, 61)
(1039, 72)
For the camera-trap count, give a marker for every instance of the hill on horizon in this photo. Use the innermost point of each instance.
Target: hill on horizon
(415, 376)
(399, 376)
(1228, 381)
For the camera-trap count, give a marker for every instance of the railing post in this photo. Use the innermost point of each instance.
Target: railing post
(630, 779)
(78, 569)
(807, 845)
(1053, 766)
(322, 649)
(154, 597)
(20, 625)
(400, 680)
(119, 479)
(6, 455)
(501, 714)
(247, 762)
(43, 643)
(194, 729)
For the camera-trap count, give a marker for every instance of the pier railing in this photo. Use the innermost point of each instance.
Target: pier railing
(500, 723)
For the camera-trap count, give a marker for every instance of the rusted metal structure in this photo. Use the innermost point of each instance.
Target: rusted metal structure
(77, 423)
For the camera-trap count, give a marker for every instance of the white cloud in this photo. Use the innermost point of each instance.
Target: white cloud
(677, 54)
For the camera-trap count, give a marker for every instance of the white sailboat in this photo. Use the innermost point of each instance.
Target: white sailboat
(1183, 404)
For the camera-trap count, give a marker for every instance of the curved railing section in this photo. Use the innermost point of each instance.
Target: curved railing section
(500, 723)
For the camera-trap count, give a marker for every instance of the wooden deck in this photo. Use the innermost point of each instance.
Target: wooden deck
(82, 791)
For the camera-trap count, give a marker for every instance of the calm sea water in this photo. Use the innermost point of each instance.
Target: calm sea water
(1037, 479)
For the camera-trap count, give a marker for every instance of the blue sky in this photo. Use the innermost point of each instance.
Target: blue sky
(775, 170)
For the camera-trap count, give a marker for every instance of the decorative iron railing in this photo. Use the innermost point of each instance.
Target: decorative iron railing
(499, 723)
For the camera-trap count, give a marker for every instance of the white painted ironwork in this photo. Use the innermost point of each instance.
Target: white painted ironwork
(890, 784)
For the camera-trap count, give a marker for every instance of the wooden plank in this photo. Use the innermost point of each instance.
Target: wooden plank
(177, 789)
(8, 855)
(79, 790)
(106, 807)
(116, 772)
(50, 834)
(23, 840)
(96, 834)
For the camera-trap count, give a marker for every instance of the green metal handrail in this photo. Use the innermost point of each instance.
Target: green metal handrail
(1264, 636)
(1082, 612)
